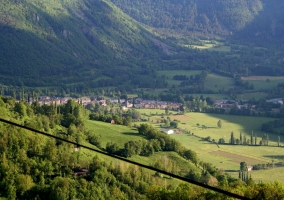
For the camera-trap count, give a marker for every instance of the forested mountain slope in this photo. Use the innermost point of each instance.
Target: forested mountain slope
(54, 42)
(203, 18)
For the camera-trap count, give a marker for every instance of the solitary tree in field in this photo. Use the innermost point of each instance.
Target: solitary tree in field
(219, 124)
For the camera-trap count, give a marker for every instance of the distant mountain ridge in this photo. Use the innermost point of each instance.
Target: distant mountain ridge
(208, 19)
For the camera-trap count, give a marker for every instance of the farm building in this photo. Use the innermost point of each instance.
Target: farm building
(167, 131)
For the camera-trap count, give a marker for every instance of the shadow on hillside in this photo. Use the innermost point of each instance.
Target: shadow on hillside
(275, 156)
(247, 124)
(230, 170)
(131, 133)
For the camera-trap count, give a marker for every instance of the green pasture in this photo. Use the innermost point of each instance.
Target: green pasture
(216, 82)
(113, 133)
(251, 95)
(205, 124)
(211, 46)
(150, 112)
(270, 175)
(264, 82)
(237, 124)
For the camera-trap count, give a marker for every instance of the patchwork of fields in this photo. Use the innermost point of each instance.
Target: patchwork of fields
(225, 156)
(217, 84)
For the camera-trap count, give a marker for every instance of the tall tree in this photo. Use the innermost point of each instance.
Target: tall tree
(251, 138)
(219, 123)
(255, 139)
(232, 138)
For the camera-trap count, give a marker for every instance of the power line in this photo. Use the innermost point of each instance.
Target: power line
(132, 162)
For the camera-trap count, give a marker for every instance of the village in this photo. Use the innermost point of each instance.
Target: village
(125, 104)
(154, 104)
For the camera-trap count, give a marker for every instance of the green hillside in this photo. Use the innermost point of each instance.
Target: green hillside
(256, 19)
(79, 46)
(214, 17)
(55, 42)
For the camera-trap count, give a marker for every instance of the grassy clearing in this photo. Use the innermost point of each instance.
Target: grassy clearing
(150, 112)
(171, 73)
(251, 95)
(261, 83)
(270, 175)
(237, 124)
(211, 46)
(216, 82)
(113, 133)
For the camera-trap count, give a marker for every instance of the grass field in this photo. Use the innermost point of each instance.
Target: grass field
(193, 122)
(251, 95)
(113, 133)
(211, 46)
(261, 83)
(226, 157)
(216, 82)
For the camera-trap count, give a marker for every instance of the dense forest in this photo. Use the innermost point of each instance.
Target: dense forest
(199, 17)
(257, 20)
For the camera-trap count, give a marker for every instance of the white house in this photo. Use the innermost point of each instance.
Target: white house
(167, 131)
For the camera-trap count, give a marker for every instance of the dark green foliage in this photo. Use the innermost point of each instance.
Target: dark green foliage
(216, 17)
(57, 43)
(243, 166)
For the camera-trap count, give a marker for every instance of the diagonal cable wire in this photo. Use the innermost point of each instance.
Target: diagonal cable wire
(230, 194)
